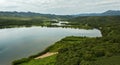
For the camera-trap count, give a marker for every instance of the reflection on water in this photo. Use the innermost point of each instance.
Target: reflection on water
(60, 23)
(17, 43)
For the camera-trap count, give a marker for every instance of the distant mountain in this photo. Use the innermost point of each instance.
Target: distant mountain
(111, 12)
(32, 14)
(53, 16)
(107, 13)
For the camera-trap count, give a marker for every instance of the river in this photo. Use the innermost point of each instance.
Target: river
(16, 43)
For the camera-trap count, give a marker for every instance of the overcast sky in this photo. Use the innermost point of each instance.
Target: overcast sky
(60, 6)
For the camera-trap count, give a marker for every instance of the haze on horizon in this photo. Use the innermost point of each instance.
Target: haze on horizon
(61, 7)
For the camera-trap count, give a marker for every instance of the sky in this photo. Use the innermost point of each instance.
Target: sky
(60, 7)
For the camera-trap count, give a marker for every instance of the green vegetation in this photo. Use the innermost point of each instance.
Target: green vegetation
(92, 49)
(114, 60)
(45, 61)
(86, 51)
(9, 22)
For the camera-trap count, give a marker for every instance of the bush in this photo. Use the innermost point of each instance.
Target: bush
(88, 57)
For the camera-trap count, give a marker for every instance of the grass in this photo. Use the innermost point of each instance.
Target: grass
(45, 61)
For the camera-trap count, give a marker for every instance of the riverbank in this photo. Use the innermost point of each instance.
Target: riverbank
(46, 55)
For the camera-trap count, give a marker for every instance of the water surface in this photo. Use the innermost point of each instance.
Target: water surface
(16, 43)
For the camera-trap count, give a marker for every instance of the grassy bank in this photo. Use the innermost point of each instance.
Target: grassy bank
(45, 61)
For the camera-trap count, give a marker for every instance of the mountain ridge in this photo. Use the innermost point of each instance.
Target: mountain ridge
(32, 14)
(106, 13)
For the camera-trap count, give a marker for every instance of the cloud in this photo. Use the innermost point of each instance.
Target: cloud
(59, 6)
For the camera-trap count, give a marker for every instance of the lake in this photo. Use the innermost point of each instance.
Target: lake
(16, 43)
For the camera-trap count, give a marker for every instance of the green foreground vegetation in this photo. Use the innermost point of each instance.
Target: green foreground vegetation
(83, 50)
(45, 61)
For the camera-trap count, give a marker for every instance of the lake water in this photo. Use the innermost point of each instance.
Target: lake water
(16, 43)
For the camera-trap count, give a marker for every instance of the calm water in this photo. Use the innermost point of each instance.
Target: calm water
(16, 43)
